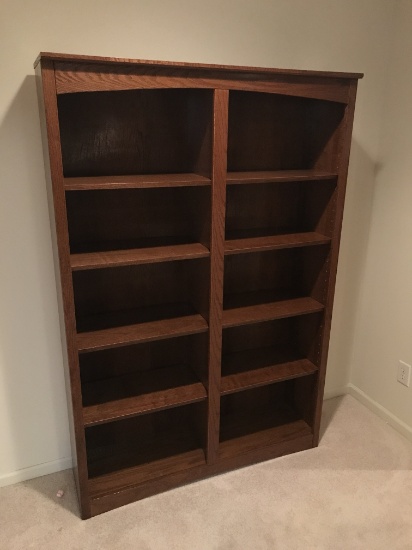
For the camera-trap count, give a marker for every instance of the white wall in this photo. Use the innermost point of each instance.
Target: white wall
(383, 332)
(349, 35)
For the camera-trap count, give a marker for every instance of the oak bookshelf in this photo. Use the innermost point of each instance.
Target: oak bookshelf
(196, 213)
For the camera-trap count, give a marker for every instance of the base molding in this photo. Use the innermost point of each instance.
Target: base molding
(380, 411)
(36, 471)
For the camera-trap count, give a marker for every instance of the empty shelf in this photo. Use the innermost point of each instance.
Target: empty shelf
(278, 176)
(140, 332)
(264, 438)
(269, 311)
(136, 256)
(139, 393)
(273, 242)
(245, 370)
(134, 182)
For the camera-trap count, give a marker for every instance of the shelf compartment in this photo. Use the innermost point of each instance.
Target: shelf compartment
(135, 450)
(268, 352)
(273, 284)
(138, 181)
(278, 176)
(128, 219)
(137, 256)
(254, 377)
(140, 393)
(273, 242)
(131, 304)
(274, 132)
(264, 438)
(286, 210)
(266, 415)
(269, 311)
(148, 132)
(140, 332)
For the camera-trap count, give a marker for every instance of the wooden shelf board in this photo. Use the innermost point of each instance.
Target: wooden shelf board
(135, 181)
(274, 176)
(263, 438)
(139, 393)
(244, 371)
(136, 256)
(273, 242)
(269, 311)
(129, 477)
(140, 332)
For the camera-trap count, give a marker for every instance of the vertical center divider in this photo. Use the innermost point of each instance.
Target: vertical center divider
(217, 242)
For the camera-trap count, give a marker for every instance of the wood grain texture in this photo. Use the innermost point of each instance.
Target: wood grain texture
(139, 393)
(274, 176)
(46, 89)
(146, 181)
(137, 256)
(264, 438)
(154, 63)
(273, 242)
(140, 332)
(269, 311)
(255, 377)
(122, 479)
(215, 196)
(343, 139)
(220, 127)
(72, 78)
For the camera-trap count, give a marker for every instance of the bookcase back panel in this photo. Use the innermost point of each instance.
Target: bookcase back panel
(151, 356)
(266, 276)
(135, 132)
(137, 218)
(291, 338)
(262, 408)
(121, 296)
(144, 439)
(276, 132)
(271, 209)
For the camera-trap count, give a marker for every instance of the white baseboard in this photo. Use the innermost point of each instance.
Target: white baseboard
(35, 471)
(337, 392)
(380, 411)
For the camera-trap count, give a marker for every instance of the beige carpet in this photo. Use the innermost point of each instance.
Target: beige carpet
(353, 492)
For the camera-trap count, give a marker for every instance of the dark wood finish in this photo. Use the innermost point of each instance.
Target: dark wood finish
(269, 311)
(140, 332)
(115, 498)
(196, 213)
(264, 438)
(147, 181)
(138, 393)
(46, 88)
(122, 479)
(274, 176)
(74, 78)
(117, 258)
(180, 65)
(216, 272)
(339, 149)
(252, 377)
(273, 242)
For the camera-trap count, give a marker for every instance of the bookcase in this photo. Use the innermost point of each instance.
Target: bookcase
(196, 213)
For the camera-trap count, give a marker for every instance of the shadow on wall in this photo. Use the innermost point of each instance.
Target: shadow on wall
(34, 427)
(353, 250)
